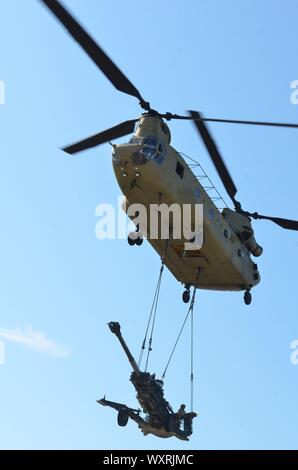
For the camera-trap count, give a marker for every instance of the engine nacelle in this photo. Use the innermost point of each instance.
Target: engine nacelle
(241, 225)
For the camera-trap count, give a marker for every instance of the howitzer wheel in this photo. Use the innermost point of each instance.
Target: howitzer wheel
(122, 417)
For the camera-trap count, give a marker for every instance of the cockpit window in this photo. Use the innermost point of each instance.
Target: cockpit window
(148, 152)
(151, 141)
(136, 140)
(151, 149)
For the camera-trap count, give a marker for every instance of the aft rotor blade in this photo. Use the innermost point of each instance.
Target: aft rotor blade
(94, 51)
(215, 155)
(125, 128)
(284, 223)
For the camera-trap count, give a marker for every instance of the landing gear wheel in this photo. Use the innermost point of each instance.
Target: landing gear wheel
(139, 241)
(135, 238)
(132, 238)
(122, 417)
(186, 296)
(131, 241)
(247, 297)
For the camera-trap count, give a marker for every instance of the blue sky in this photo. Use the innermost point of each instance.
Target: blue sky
(232, 59)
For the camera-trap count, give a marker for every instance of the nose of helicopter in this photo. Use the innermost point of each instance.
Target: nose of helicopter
(138, 164)
(122, 155)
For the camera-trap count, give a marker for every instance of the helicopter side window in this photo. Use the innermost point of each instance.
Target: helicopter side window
(180, 169)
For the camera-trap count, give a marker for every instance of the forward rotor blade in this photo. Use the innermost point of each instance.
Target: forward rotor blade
(284, 223)
(253, 123)
(94, 51)
(125, 128)
(215, 155)
(232, 121)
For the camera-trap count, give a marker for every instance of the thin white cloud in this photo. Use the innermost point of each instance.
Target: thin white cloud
(35, 340)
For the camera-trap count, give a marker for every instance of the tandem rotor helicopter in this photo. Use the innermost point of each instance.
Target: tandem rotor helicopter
(149, 170)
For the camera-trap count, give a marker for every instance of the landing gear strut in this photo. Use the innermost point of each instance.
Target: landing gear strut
(186, 294)
(247, 297)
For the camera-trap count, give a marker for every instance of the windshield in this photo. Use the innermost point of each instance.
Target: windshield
(151, 141)
(136, 140)
(151, 149)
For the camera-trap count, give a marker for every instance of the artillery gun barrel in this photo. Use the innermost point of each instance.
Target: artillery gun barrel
(115, 328)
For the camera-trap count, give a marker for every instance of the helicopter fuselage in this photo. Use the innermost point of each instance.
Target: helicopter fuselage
(150, 171)
(159, 175)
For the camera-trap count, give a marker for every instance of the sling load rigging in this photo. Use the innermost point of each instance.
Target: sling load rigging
(160, 419)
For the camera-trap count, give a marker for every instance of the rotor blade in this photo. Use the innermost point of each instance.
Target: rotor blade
(94, 51)
(232, 121)
(126, 127)
(253, 123)
(284, 223)
(215, 155)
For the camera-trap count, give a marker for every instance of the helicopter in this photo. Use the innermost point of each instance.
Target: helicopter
(150, 171)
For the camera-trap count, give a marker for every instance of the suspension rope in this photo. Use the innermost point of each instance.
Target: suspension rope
(153, 312)
(150, 316)
(154, 318)
(191, 359)
(190, 310)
